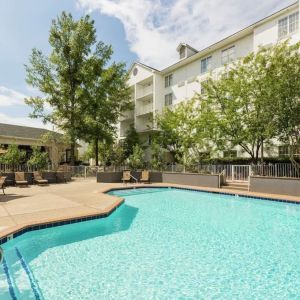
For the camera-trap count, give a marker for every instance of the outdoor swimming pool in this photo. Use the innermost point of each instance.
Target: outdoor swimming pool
(162, 244)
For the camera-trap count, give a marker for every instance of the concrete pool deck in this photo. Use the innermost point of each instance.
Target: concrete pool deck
(22, 207)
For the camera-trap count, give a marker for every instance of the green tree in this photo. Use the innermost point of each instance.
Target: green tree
(131, 139)
(14, 156)
(157, 156)
(56, 144)
(238, 105)
(284, 63)
(117, 155)
(61, 75)
(38, 158)
(136, 159)
(106, 96)
(183, 132)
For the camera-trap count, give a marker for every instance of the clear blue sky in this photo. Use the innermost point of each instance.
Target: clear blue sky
(145, 30)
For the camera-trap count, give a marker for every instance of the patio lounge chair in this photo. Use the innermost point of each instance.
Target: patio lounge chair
(20, 179)
(2, 183)
(126, 176)
(145, 177)
(39, 179)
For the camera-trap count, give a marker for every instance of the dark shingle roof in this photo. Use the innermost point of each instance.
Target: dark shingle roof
(21, 131)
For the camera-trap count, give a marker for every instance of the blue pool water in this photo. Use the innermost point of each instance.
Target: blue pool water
(163, 244)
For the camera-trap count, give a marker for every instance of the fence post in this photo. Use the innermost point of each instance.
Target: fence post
(232, 171)
(85, 171)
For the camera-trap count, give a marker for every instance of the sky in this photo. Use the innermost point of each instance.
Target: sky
(138, 30)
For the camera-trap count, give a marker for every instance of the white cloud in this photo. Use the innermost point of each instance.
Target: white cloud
(155, 27)
(25, 121)
(9, 97)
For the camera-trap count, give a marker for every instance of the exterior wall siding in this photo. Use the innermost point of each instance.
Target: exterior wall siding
(187, 76)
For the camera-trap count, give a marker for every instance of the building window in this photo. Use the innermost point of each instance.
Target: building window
(168, 99)
(230, 154)
(205, 65)
(288, 25)
(228, 55)
(182, 53)
(283, 151)
(169, 80)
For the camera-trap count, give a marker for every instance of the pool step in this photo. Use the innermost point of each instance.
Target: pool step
(240, 186)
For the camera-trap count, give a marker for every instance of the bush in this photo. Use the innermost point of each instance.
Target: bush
(13, 156)
(136, 159)
(38, 159)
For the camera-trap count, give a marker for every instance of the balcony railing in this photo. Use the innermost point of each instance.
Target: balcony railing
(144, 109)
(127, 115)
(144, 92)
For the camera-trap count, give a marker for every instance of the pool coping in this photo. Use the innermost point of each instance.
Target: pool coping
(18, 230)
(245, 194)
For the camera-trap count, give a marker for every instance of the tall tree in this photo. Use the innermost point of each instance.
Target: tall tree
(132, 139)
(238, 105)
(182, 132)
(106, 95)
(284, 61)
(60, 76)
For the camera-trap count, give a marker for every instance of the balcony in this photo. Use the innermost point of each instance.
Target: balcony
(144, 92)
(143, 109)
(127, 115)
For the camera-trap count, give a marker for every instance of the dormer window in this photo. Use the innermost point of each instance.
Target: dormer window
(185, 50)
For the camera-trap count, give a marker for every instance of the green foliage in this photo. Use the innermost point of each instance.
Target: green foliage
(38, 158)
(136, 159)
(132, 139)
(158, 156)
(84, 93)
(117, 156)
(183, 132)
(106, 95)
(13, 156)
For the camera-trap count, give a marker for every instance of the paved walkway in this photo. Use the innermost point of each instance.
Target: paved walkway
(80, 198)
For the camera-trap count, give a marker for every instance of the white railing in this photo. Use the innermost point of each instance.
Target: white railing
(145, 91)
(144, 109)
(127, 115)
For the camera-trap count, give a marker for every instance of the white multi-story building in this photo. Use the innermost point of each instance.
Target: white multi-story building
(154, 89)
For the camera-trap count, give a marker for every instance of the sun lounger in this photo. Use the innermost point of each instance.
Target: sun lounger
(39, 179)
(126, 176)
(145, 177)
(2, 183)
(20, 179)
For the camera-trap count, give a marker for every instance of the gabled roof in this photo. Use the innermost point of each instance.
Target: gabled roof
(230, 39)
(24, 132)
(142, 65)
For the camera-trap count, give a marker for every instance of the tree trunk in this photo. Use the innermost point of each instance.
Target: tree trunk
(262, 151)
(72, 154)
(97, 152)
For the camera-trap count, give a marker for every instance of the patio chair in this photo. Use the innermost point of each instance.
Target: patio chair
(145, 177)
(2, 183)
(20, 179)
(126, 176)
(38, 179)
